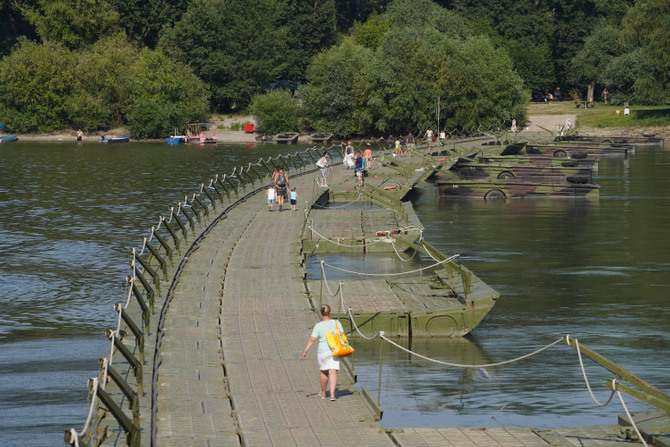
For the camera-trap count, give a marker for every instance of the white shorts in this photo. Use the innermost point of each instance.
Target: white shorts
(327, 361)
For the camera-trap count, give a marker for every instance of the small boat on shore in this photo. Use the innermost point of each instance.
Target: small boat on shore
(286, 138)
(176, 139)
(110, 140)
(200, 133)
(9, 139)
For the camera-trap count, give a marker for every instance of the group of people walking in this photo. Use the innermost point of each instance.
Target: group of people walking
(278, 190)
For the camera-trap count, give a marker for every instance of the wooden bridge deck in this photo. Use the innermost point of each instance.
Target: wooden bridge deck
(240, 317)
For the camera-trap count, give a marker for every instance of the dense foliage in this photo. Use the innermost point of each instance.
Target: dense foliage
(365, 66)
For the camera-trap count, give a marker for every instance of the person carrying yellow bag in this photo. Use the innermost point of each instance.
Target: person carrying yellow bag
(328, 364)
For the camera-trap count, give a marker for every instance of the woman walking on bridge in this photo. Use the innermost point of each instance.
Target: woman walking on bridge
(328, 365)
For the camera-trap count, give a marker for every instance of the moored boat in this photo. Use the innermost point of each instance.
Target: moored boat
(549, 173)
(109, 140)
(9, 139)
(200, 133)
(176, 139)
(512, 189)
(639, 141)
(539, 160)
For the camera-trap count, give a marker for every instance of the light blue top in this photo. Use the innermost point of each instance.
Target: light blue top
(319, 332)
(294, 195)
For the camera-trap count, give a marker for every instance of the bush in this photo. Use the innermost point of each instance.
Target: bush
(276, 111)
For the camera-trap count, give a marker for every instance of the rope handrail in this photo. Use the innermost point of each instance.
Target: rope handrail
(339, 244)
(586, 380)
(449, 259)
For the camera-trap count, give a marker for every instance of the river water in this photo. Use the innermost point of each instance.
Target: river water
(597, 270)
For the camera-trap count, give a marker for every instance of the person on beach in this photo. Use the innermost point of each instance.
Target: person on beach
(328, 365)
(281, 183)
(80, 135)
(323, 164)
(294, 198)
(271, 195)
(368, 156)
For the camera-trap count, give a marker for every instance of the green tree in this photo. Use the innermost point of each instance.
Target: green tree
(35, 81)
(165, 95)
(236, 49)
(335, 95)
(144, 20)
(276, 111)
(73, 23)
(14, 26)
(370, 33)
(646, 27)
(102, 93)
(310, 28)
(349, 12)
(600, 49)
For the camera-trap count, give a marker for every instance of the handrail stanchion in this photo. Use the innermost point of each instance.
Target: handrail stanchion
(379, 384)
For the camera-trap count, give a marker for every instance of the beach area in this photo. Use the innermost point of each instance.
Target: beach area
(536, 124)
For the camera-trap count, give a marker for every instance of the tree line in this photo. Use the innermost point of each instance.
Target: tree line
(362, 67)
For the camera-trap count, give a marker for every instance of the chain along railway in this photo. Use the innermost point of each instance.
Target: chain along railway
(207, 342)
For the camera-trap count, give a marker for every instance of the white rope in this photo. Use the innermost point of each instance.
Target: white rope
(337, 207)
(630, 418)
(339, 244)
(440, 362)
(325, 281)
(488, 365)
(393, 274)
(586, 380)
(398, 254)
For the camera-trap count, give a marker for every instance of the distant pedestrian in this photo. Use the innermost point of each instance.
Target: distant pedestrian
(281, 182)
(80, 135)
(410, 144)
(368, 156)
(294, 198)
(271, 194)
(429, 137)
(328, 365)
(359, 168)
(605, 94)
(348, 155)
(323, 164)
(397, 147)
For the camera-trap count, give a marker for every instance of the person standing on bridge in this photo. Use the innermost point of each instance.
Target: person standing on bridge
(328, 365)
(323, 164)
(281, 183)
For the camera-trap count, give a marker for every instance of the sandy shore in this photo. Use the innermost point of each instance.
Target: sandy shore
(536, 125)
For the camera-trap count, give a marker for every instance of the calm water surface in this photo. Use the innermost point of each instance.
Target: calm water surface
(595, 269)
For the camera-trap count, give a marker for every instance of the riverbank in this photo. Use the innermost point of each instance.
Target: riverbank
(224, 134)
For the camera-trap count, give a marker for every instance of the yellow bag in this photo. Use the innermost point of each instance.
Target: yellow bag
(338, 342)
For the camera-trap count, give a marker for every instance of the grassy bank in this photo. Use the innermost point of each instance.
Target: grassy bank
(605, 116)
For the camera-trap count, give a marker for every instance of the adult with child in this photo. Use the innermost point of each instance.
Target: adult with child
(281, 184)
(328, 365)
